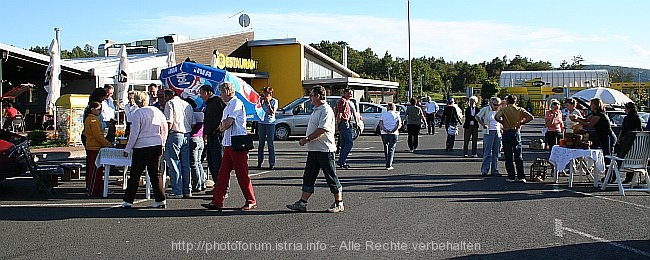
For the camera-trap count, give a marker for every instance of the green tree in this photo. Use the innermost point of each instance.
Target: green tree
(619, 75)
(494, 68)
(77, 52)
(488, 89)
(42, 50)
(576, 63)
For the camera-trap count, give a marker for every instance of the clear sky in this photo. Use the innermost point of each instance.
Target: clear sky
(602, 32)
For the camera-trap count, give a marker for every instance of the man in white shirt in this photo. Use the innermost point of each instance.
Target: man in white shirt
(129, 108)
(108, 113)
(180, 120)
(320, 146)
(431, 110)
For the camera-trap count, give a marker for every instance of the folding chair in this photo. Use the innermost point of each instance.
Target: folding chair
(635, 161)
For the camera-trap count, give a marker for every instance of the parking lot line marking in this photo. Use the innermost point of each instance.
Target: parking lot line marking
(120, 205)
(559, 232)
(259, 173)
(60, 204)
(606, 198)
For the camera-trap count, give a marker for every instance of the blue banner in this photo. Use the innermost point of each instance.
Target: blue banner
(188, 77)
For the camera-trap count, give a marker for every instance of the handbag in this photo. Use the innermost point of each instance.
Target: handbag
(241, 142)
(452, 130)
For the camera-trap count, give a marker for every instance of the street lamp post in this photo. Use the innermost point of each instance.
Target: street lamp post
(408, 16)
(421, 75)
(638, 86)
(389, 73)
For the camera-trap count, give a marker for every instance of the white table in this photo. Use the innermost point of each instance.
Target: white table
(561, 157)
(108, 157)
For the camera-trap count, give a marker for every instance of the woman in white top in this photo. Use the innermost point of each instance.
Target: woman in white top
(146, 141)
(491, 136)
(570, 104)
(389, 123)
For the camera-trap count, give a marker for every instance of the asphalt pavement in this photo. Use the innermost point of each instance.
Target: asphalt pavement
(433, 205)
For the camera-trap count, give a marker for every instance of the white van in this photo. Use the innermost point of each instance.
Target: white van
(292, 119)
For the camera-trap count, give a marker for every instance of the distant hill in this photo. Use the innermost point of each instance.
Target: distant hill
(645, 73)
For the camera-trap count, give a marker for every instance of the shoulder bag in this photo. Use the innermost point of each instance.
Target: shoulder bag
(452, 130)
(241, 142)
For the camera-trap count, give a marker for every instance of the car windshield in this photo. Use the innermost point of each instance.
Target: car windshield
(292, 104)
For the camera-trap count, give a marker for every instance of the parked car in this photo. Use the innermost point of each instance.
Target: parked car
(292, 119)
(617, 119)
(441, 108)
(371, 114)
(438, 114)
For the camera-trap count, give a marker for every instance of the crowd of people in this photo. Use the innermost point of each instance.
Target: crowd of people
(171, 134)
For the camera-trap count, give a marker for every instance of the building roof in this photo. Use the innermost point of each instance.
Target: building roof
(308, 49)
(352, 82)
(107, 66)
(556, 78)
(33, 57)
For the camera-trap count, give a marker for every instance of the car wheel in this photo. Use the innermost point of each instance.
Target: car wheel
(282, 132)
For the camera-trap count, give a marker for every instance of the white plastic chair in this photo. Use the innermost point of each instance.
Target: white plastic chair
(636, 161)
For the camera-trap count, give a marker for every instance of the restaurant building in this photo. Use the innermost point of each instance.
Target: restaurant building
(288, 65)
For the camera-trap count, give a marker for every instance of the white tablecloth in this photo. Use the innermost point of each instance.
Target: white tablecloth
(115, 157)
(112, 156)
(561, 156)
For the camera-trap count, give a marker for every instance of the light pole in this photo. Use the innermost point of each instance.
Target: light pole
(421, 75)
(638, 92)
(389, 73)
(408, 18)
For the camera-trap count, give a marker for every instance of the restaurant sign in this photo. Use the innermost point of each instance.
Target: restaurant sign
(224, 62)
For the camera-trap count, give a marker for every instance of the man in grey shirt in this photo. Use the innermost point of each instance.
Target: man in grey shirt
(320, 146)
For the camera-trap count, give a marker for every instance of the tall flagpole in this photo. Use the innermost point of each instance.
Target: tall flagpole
(408, 17)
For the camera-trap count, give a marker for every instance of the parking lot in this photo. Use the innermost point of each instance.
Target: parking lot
(434, 204)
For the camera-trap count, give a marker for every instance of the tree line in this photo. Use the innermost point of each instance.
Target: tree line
(430, 74)
(77, 52)
(440, 76)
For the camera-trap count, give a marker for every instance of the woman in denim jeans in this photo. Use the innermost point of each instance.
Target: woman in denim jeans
(389, 123)
(196, 149)
(266, 128)
(491, 136)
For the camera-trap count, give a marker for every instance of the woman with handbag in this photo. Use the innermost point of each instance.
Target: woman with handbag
(236, 143)
(450, 119)
(414, 120)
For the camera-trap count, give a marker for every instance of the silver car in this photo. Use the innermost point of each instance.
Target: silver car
(292, 119)
(371, 114)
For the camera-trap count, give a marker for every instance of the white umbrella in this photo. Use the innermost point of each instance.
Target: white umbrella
(171, 58)
(608, 95)
(52, 80)
(122, 78)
